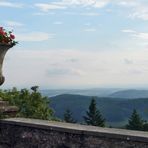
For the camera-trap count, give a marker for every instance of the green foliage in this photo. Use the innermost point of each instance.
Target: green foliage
(135, 121)
(93, 115)
(116, 111)
(1, 115)
(31, 103)
(68, 117)
(35, 88)
(145, 126)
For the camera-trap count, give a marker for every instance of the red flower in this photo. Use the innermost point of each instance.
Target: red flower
(7, 37)
(12, 36)
(2, 32)
(1, 29)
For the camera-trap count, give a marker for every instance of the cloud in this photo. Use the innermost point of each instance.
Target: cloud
(128, 31)
(92, 69)
(84, 3)
(101, 3)
(34, 36)
(141, 35)
(127, 61)
(57, 71)
(90, 14)
(10, 4)
(14, 24)
(141, 13)
(137, 8)
(127, 3)
(73, 60)
(43, 13)
(58, 23)
(63, 72)
(46, 7)
(90, 30)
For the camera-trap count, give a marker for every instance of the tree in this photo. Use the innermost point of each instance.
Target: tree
(135, 121)
(68, 117)
(93, 115)
(35, 88)
(145, 126)
(31, 104)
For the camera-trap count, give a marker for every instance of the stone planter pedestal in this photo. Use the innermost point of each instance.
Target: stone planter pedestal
(3, 49)
(5, 108)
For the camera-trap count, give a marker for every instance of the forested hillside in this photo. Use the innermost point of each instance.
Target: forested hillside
(116, 111)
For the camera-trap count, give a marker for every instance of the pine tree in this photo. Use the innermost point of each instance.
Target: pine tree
(93, 115)
(68, 117)
(135, 121)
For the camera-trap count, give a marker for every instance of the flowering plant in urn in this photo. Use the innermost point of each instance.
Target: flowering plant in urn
(7, 41)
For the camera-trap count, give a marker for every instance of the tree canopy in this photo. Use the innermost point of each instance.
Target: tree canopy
(135, 121)
(93, 115)
(68, 117)
(31, 103)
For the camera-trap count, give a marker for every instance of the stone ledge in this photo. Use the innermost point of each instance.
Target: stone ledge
(127, 135)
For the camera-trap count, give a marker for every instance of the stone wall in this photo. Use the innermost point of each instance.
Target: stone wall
(30, 133)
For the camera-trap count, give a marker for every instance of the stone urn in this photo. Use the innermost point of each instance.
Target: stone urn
(5, 108)
(3, 49)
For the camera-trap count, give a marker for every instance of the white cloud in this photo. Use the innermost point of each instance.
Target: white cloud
(128, 31)
(99, 68)
(58, 23)
(90, 14)
(141, 35)
(90, 30)
(14, 24)
(93, 3)
(140, 12)
(43, 13)
(127, 3)
(60, 72)
(137, 8)
(34, 36)
(46, 7)
(10, 4)
(101, 3)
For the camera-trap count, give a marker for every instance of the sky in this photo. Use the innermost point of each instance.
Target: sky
(76, 43)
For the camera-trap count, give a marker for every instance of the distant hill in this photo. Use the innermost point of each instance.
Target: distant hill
(86, 92)
(130, 94)
(116, 111)
(100, 92)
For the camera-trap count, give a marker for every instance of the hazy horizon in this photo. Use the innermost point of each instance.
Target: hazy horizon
(103, 87)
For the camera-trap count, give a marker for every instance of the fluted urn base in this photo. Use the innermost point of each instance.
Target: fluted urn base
(3, 49)
(2, 80)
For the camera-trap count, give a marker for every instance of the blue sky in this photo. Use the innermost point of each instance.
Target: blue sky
(76, 43)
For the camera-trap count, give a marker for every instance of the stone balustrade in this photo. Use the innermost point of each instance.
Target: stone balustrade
(32, 133)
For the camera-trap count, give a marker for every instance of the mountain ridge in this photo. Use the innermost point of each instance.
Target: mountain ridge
(130, 94)
(112, 92)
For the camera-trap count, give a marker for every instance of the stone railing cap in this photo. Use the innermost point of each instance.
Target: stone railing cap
(79, 129)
